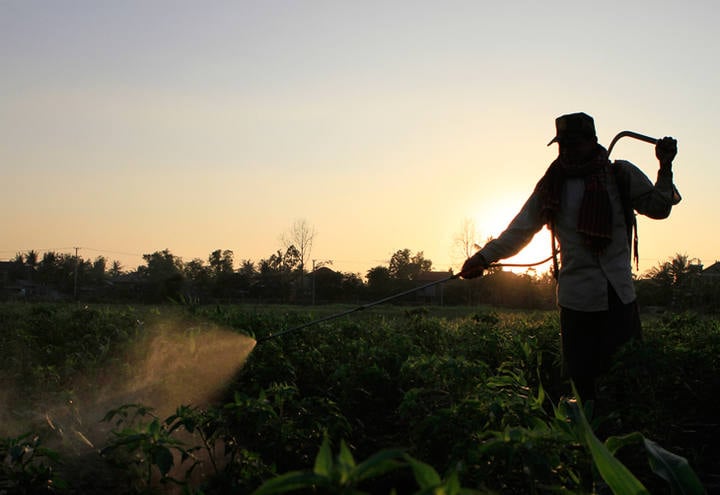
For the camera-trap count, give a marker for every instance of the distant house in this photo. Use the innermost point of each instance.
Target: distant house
(5, 268)
(712, 272)
(323, 284)
(10, 287)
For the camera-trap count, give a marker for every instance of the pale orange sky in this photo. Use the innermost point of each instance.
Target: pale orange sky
(131, 127)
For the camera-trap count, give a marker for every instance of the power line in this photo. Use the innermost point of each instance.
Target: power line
(69, 248)
(108, 251)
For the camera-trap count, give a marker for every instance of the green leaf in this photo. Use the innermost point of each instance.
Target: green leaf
(674, 469)
(163, 459)
(346, 463)
(540, 399)
(615, 474)
(154, 429)
(293, 480)
(615, 443)
(452, 484)
(378, 464)
(345, 455)
(425, 474)
(324, 461)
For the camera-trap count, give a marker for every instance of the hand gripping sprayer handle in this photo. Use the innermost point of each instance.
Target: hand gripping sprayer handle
(676, 198)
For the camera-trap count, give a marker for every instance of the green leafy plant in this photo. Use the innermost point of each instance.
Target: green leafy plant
(339, 474)
(431, 483)
(26, 466)
(470, 399)
(144, 445)
(672, 468)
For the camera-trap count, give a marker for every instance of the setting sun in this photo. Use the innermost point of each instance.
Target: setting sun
(537, 250)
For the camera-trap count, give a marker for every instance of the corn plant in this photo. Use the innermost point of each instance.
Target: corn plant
(672, 468)
(341, 474)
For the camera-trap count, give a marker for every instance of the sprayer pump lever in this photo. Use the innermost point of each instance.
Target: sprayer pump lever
(631, 134)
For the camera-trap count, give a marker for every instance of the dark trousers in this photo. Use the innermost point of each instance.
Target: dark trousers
(589, 340)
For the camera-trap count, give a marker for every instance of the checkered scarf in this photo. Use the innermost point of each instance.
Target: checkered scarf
(595, 216)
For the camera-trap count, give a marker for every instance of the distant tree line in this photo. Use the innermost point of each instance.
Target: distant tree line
(282, 277)
(680, 283)
(285, 277)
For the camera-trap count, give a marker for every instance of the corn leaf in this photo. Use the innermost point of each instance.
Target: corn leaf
(616, 475)
(345, 464)
(425, 474)
(379, 463)
(293, 480)
(615, 443)
(324, 461)
(674, 469)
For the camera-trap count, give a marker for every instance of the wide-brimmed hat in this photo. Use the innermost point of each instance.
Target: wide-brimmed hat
(573, 125)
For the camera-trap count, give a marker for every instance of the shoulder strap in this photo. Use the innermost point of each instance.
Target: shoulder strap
(555, 250)
(622, 179)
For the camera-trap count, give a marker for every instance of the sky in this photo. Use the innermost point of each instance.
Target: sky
(136, 126)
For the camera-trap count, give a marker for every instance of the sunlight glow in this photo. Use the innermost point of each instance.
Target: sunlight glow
(216, 128)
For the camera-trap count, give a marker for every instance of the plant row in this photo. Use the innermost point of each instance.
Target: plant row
(404, 401)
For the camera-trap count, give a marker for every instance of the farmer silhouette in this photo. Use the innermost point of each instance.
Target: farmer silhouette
(589, 205)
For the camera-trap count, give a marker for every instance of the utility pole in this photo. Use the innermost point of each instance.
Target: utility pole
(75, 290)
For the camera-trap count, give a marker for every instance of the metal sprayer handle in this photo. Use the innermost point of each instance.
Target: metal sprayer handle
(631, 134)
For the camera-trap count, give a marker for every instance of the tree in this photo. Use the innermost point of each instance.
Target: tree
(221, 271)
(352, 285)
(379, 280)
(465, 241)
(292, 260)
(161, 264)
(246, 274)
(406, 266)
(300, 237)
(50, 268)
(116, 269)
(221, 262)
(29, 263)
(58, 270)
(32, 259)
(198, 273)
(164, 273)
(671, 282)
(97, 270)
(276, 272)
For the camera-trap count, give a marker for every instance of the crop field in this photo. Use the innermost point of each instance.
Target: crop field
(437, 400)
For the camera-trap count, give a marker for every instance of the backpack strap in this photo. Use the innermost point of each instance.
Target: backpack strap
(555, 250)
(622, 179)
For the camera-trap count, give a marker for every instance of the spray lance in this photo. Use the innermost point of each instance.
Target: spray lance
(362, 307)
(631, 134)
(389, 298)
